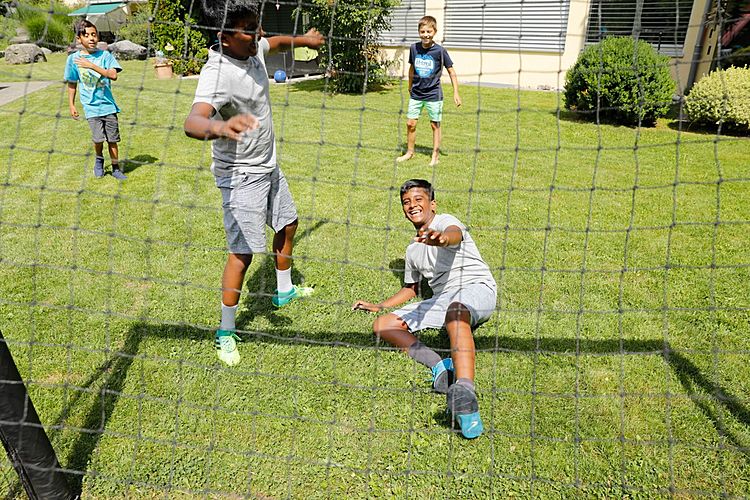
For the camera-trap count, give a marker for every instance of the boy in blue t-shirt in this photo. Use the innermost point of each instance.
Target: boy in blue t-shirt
(95, 69)
(426, 62)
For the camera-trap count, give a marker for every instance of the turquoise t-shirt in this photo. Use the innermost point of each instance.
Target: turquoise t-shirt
(94, 89)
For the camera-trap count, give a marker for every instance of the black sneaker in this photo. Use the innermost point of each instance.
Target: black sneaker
(464, 409)
(98, 167)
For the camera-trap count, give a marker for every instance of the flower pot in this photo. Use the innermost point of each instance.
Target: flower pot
(163, 71)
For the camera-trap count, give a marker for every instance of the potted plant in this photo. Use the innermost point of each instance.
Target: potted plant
(162, 64)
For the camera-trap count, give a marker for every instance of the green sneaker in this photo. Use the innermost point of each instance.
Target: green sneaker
(226, 347)
(282, 299)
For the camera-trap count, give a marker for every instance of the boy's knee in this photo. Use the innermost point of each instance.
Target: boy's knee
(386, 323)
(458, 312)
(241, 260)
(435, 125)
(411, 124)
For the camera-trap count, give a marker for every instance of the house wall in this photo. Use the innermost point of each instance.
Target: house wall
(539, 69)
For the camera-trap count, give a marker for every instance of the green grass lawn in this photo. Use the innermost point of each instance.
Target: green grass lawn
(616, 363)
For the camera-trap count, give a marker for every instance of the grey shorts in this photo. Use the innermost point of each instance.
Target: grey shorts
(252, 201)
(479, 298)
(104, 128)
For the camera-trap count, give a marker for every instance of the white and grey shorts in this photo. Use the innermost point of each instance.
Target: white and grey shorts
(252, 201)
(480, 299)
(104, 128)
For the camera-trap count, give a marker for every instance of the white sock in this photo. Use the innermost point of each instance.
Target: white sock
(284, 280)
(228, 313)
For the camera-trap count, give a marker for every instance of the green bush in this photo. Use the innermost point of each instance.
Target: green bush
(173, 26)
(722, 97)
(136, 30)
(48, 25)
(8, 27)
(739, 58)
(627, 81)
(351, 54)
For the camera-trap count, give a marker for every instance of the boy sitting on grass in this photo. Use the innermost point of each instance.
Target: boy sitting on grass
(232, 107)
(464, 295)
(95, 68)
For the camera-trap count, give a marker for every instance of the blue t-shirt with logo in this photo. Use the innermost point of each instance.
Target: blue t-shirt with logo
(93, 89)
(428, 66)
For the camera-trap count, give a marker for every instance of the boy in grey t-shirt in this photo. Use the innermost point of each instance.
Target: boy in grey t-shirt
(232, 107)
(464, 295)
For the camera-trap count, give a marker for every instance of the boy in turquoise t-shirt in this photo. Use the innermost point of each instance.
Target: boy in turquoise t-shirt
(95, 69)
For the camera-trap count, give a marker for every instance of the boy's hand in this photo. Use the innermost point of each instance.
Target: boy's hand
(82, 62)
(314, 38)
(237, 125)
(431, 237)
(74, 112)
(457, 99)
(361, 305)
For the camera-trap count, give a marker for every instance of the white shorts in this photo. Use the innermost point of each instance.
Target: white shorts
(252, 201)
(480, 299)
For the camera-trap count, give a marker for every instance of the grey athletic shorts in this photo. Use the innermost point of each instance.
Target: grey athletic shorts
(104, 128)
(252, 201)
(479, 298)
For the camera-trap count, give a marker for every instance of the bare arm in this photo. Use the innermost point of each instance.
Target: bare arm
(200, 125)
(454, 82)
(110, 73)
(72, 88)
(452, 236)
(408, 292)
(312, 39)
(411, 76)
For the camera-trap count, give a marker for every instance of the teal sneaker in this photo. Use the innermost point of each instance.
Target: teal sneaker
(442, 375)
(226, 347)
(464, 409)
(282, 299)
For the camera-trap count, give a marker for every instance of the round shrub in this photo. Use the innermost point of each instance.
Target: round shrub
(721, 97)
(628, 81)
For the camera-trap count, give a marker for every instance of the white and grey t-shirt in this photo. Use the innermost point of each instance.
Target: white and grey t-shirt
(232, 87)
(447, 268)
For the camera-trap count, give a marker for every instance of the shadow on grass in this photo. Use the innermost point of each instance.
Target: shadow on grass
(711, 398)
(115, 371)
(704, 129)
(130, 164)
(325, 85)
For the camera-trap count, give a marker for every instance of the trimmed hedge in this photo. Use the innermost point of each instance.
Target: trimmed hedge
(628, 81)
(721, 97)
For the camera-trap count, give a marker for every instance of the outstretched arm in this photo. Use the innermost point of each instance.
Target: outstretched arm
(408, 292)
(312, 39)
(200, 125)
(451, 236)
(454, 82)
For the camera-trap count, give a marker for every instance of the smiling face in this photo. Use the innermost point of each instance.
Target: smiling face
(418, 207)
(426, 34)
(89, 37)
(241, 41)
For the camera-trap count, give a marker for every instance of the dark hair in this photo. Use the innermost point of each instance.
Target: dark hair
(418, 183)
(227, 13)
(81, 26)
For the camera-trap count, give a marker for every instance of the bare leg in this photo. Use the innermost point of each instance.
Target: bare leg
(283, 244)
(234, 276)
(436, 137)
(393, 330)
(458, 324)
(113, 154)
(99, 148)
(411, 139)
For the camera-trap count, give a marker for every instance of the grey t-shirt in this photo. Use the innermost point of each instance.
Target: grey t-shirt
(232, 87)
(447, 268)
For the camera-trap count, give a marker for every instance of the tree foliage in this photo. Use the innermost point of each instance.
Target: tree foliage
(351, 27)
(173, 25)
